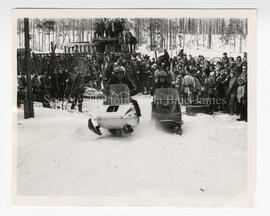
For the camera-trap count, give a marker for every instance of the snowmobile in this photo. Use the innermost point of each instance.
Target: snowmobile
(166, 109)
(117, 113)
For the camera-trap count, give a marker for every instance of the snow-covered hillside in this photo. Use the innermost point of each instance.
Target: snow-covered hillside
(58, 155)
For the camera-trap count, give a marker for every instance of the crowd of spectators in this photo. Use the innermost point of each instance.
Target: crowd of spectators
(223, 79)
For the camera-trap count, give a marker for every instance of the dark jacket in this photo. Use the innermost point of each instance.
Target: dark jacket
(77, 87)
(232, 89)
(35, 82)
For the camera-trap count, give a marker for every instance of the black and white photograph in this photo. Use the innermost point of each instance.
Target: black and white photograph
(134, 107)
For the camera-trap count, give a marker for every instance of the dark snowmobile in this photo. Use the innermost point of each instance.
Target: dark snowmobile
(166, 109)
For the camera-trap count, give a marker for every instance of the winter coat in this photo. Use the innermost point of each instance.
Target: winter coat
(22, 82)
(54, 81)
(178, 81)
(241, 91)
(188, 84)
(238, 68)
(45, 84)
(77, 87)
(232, 89)
(156, 74)
(221, 86)
(225, 60)
(35, 82)
(191, 62)
(198, 85)
(210, 84)
(172, 76)
(166, 56)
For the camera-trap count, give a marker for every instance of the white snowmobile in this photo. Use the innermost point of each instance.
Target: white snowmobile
(117, 114)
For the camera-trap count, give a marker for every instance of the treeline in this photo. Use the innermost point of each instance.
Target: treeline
(171, 33)
(59, 31)
(154, 32)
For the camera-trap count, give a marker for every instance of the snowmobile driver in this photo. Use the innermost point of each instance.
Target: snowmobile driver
(162, 82)
(121, 78)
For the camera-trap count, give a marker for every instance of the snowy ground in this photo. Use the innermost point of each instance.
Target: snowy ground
(58, 155)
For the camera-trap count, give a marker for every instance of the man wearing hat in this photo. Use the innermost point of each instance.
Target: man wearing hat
(162, 81)
(121, 78)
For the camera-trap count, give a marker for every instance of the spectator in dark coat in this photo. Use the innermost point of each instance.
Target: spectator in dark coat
(225, 59)
(35, 84)
(191, 61)
(232, 92)
(238, 65)
(77, 92)
(242, 99)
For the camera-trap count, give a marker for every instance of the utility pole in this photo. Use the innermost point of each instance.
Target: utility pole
(150, 28)
(138, 31)
(184, 35)
(170, 29)
(28, 102)
(33, 35)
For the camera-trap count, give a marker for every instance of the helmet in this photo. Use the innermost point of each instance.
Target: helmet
(119, 69)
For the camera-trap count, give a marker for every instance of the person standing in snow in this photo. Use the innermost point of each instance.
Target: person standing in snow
(210, 84)
(188, 87)
(54, 85)
(147, 78)
(21, 90)
(77, 91)
(232, 92)
(44, 89)
(225, 59)
(242, 99)
(35, 84)
(225, 78)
